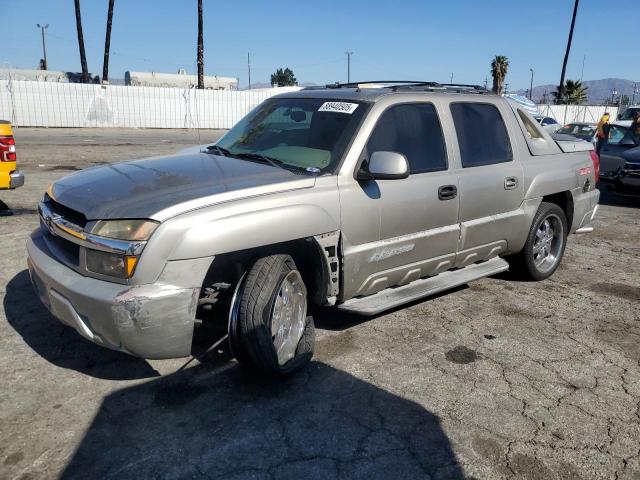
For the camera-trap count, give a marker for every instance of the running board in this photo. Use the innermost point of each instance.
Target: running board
(396, 296)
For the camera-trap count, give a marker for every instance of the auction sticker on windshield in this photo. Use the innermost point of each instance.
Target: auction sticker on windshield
(339, 107)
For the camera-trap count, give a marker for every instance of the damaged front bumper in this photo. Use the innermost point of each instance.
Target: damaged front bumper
(153, 321)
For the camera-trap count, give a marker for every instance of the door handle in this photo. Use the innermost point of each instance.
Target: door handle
(510, 183)
(447, 192)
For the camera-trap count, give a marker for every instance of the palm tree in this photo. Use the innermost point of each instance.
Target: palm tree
(574, 93)
(566, 53)
(83, 55)
(200, 48)
(107, 44)
(499, 69)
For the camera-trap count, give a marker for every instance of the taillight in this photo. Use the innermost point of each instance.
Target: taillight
(7, 149)
(596, 164)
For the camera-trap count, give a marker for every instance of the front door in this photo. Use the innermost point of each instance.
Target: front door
(396, 231)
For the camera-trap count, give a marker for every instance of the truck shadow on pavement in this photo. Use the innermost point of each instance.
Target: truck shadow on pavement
(61, 345)
(611, 199)
(222, 422)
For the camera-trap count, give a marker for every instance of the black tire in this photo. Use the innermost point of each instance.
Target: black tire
(250, 319)
(524, 262)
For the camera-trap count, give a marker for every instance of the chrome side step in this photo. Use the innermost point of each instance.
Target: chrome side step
(396, 296)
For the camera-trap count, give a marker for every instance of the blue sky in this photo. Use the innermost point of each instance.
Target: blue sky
(426, 40)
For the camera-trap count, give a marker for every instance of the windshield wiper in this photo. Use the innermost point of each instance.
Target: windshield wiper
(219, 150)
(274, 162)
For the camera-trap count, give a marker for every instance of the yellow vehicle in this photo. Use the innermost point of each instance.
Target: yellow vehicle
(10, 177)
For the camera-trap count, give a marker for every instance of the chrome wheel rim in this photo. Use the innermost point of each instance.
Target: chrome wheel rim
(289, 316)
(547, 245)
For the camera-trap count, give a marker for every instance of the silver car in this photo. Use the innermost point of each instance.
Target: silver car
(357, 197)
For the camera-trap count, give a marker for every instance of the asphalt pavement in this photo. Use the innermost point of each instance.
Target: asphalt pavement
(500, 379)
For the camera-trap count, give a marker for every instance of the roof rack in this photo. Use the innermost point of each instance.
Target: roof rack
(416, 85)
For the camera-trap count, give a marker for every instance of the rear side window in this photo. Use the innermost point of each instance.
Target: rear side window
(532, 129)
(482, 134)
(413, 130)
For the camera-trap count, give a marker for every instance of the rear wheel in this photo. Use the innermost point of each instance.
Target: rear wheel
(545, 243)
(269, 329)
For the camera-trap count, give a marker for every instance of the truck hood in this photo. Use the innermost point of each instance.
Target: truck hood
(161, 187)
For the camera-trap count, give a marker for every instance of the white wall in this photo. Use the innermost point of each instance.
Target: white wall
(577, 113)
(49, 104)
(43, 104)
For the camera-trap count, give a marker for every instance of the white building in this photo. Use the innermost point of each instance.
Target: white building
(178, 80)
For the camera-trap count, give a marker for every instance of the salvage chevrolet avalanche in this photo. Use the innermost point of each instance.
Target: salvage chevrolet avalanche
(360, 197)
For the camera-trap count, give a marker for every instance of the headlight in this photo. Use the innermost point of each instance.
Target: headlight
(112, 264)
(125, 229)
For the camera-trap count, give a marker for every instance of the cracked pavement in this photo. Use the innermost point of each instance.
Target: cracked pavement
(501, 379)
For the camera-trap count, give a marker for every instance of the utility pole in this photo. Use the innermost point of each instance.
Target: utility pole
(348, 54)
(506, 88)
(44, 46)
(531, 86)
(584, 59)
(83, 55)
(486, 82)
(249, 69)
(635, 90)
(200, 48)
(566, 54)
(451, 80)
(107, 44)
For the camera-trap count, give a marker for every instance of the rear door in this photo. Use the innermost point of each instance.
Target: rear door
(490, 181)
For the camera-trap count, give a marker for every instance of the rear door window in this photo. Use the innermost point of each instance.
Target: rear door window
(482, 134)
(414, 130)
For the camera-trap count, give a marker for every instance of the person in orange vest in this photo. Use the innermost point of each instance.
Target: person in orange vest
(602, 132)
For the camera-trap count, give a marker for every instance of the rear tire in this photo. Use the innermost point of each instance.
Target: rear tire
(269, 329)
(545, 244)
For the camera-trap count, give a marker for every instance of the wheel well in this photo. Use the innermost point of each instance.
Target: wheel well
(306, 253)
(565, 201)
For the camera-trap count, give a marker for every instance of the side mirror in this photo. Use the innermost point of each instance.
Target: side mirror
(385, 166)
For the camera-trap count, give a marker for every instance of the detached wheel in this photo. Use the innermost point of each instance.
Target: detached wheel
(545, 244)
(269, 329)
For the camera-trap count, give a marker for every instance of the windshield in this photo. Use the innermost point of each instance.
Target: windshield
(583, 130)
(301, 133)
(628, 113)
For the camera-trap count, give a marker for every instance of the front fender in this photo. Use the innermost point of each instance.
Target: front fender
(253, 229)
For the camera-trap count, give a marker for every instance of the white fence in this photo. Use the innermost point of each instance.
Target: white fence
(49, 104)
(44, 104)
(577, 113)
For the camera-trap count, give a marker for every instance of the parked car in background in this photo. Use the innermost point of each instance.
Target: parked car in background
(10, 176)
(625, 117)
(620, 162)
(548, 123)
(582, 130)
(362, 199)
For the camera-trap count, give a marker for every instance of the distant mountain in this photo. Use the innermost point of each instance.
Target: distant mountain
(598, 91)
